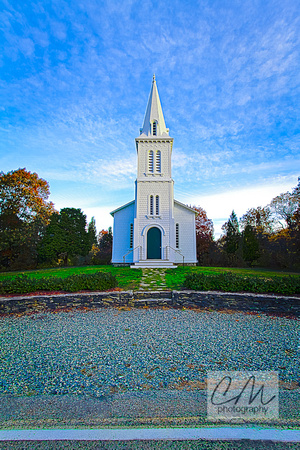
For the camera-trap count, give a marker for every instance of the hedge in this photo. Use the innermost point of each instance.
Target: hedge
(99, 281)
(230, 282)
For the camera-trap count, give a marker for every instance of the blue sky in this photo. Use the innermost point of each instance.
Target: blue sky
(75, 80)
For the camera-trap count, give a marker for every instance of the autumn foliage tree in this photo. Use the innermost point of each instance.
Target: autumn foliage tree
(24, 214)
(105, 238)
(285, 206)
(204, 234)
(284, 248)
(260, 219)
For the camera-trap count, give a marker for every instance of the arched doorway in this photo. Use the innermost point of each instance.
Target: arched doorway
(154, 243)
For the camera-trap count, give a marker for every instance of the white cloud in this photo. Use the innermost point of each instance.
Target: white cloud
(102, 217)
(113, 174)
(219, 206)
(76, 97)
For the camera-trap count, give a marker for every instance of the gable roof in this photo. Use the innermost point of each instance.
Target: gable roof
(133, 201)
(185, 206)
(122, 207)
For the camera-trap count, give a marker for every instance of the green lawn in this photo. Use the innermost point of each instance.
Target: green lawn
(130, 278)
(175, 277)
(127, 278)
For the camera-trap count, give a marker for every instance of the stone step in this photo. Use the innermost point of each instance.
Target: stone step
(153, 264)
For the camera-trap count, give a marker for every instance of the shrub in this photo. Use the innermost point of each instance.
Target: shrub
(230, 282)
(98, 281)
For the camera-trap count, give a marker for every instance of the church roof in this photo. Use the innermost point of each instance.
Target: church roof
(133, 201)
(154, 114)
(185, 206)
(122, 207)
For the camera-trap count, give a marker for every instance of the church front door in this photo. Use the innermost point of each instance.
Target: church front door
(154, 243)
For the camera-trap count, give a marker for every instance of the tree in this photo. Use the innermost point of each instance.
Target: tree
(204, 234)
(262, 224)
(24, 213)
(250, 245)
(25, 194)
(295, 222)
(296, 190)
(92, 232)
(66, 236)
(285, 205)
(105, 238)
(259, 218)
(232, 234)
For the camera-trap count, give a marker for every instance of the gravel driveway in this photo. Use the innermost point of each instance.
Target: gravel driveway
(88, 367)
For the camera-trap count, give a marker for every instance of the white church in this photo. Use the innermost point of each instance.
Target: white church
(154, 230)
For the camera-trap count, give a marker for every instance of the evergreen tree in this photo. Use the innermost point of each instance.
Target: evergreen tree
(92, 232)
(66, 236)
(232, 234)
(250, 245)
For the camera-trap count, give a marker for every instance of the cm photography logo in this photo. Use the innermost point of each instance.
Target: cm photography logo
(242, 396)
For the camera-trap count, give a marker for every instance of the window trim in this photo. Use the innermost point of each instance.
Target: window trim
(158, 161)
(131, 236)
(177, 235)
(151, 205)
(151, 161)
(157, 205)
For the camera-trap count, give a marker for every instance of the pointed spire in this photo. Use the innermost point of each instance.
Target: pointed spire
(154, 122)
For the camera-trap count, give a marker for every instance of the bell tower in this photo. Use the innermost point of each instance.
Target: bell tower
(154, 189)
(154, 230)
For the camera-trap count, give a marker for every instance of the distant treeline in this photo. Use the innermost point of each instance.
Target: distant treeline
(33, 234)
(266, 236)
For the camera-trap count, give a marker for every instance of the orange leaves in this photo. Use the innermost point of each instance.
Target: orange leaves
(204, 226)
(25, 194)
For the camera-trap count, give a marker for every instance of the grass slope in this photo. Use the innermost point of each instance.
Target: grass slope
(127, 278)
(130, 278)
(175, 277)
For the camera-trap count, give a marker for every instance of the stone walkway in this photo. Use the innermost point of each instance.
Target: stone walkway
(153, 280)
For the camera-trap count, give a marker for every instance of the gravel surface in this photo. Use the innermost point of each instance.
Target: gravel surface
(97, 353)
(146, 445)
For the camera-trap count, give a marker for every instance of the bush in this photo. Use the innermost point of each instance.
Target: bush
(230, 282)
(23, 284)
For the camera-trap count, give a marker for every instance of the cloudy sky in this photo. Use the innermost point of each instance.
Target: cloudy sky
(75, 80)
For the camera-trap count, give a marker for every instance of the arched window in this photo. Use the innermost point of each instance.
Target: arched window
(154, 128)
(131, 236)
(158, 161)
(177, 235)
(150, 161)
(151, 205)
(157, 205)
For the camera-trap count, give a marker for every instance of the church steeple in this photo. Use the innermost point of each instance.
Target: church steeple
(154, 230)
(154, 122)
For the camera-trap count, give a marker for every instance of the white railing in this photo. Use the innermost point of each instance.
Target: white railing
(177, 251)
(132, 250)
